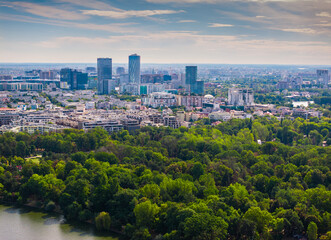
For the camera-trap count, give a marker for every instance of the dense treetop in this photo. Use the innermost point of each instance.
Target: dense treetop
(200, 183)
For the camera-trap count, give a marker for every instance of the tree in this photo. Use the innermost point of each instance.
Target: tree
(312, 231)
(145, 213)
(204, 226)
(197, 170)
(151, 191)
(21, 149)
(260, 131)
(102, 221)
(261, 218)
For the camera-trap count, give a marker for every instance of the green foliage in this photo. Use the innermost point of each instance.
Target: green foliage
(206, 182)
(102, 221)
(312, 231)
(145, 213)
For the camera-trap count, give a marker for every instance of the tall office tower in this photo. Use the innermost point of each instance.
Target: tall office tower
(134, 69)
(191, 76)
(104, 74)
(323, 77)
(120, 70)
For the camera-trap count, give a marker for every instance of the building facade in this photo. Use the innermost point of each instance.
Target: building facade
(240, 97)
(104, 66)
(323, 77)
(134, 69)
(191, 82)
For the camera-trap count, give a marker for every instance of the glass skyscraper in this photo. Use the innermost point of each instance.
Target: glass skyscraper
(194, 86)
(134, 69)
(104, 74)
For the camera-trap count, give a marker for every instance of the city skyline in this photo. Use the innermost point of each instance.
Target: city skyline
(167, 31)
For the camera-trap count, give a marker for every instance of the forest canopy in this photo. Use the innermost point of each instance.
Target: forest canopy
(206, 182)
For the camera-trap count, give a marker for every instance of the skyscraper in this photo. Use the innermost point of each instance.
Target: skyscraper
(134, 69)
(104, 74)
(191, 76)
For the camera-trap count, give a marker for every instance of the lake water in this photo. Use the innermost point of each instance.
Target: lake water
(29, 224)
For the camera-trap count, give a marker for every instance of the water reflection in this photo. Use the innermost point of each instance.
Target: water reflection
(31, 224)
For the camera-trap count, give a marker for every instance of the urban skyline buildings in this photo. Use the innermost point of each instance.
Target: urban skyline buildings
(104, 68)
(323, 77)
(73, 79)
(134, 69)
(191, 80)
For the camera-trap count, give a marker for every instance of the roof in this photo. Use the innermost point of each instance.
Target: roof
(7, 109)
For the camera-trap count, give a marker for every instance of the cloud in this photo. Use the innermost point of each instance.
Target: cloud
(324, 24)
(323, 14)
(216, 25)
(114, 27)
(300, 30)
(46, 11)
(187, 21)
(90, 4)
(188, 46)
(215, 1)
(126, 14)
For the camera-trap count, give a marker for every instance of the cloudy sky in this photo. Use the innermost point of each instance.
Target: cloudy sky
(167, 31)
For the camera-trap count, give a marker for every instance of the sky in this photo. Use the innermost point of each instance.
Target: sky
(167, 31)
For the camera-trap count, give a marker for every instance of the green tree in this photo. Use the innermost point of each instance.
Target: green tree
(102, 221)
(145, 213)
(312, 231)
(204, 226)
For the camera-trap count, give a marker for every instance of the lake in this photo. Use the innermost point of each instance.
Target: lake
(30, 224)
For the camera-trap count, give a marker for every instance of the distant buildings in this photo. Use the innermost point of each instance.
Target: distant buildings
(190, 101)
(323, 77)
(192, 84)
(104, 66)
(120, 70)
(240, 97)
(52, 74)
(75, 80)
(21, 86)
(293, 82)
(90, 69)
(160, 99)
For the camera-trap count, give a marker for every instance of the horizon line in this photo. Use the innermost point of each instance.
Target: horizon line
(187, 63)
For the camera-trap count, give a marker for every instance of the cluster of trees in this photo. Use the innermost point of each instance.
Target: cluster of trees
(200, 183)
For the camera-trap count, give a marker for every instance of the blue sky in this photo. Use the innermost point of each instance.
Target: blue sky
(167, 31)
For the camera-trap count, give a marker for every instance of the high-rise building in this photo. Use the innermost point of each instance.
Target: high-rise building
(120, 70)
(192, 84)
(191, 73)
(74, 78)
(104, 74)
(323, 77)
(134, 69)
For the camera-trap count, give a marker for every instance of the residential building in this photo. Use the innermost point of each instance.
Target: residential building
(323, 77)
(240, 97)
